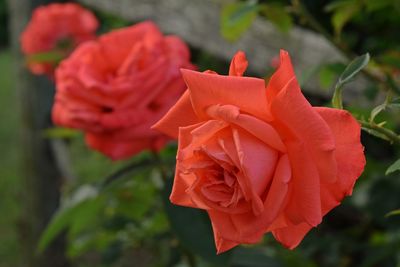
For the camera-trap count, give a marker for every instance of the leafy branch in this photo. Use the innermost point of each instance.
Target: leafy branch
(380, 131)
(375, 74)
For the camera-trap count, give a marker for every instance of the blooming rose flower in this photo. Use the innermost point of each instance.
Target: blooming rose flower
(54, 31)
(115, 88)
(260, 159)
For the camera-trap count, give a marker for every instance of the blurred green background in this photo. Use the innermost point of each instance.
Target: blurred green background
(130, 223)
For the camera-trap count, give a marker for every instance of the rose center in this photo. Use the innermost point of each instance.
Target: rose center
(221, 187)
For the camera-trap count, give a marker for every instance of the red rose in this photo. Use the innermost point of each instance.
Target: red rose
(56, 29)
(115, 88)
(260, 159)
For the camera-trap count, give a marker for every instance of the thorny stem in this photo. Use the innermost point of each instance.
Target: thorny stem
(392, 136)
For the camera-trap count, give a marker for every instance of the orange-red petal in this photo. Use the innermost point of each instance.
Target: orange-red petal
(238, 64)
(246, 93)
(291, 109)
(291, 236)
(349, 156)
(180, 115)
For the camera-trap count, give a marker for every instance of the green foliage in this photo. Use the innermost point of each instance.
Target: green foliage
(54, 57)
(343, 12)
(237, 17)
(394, 212)
(60, 132)
(348, 74)
(75, 213)
(353, 69)
(10, 182)
(394, 167)
(278, 15)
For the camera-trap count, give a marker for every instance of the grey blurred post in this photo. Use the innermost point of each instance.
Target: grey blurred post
(42, 177)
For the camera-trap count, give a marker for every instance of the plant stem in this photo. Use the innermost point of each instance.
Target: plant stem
(392, 136)
(128, 169)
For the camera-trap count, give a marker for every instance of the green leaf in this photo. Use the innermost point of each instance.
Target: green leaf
(79, 204)
(386, 105)
(374, 5)
(394, 167)
(353, 68)
(393, 212)
(376, 133)
(46, 57)
(193, 229)
(236, 18)
(135, 197)
(347, 75)
(278, 16)
(376, 111)
(60, 132)
(343, 13)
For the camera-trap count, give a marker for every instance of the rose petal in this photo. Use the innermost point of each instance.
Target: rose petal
(273, 204)
(180, 115)
(351, 161)
(238, 64)
(257, 160)
(305, 201)
(291, 236)
(349, 155)
(183, 181)
(291, 109)
(221, 244)
(223, 224)
(281, 76)
(199, 135)
(256, 127)
(206, 89)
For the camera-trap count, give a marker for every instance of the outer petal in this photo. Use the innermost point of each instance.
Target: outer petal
(349, 156)
(238, 64)
(221, 244)
(290, 108)
(206, 89)
(281, 77)
(305, 201)
(182, 181)
(291, 236)
(180, 115)
(351, 161)
(223, 224)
